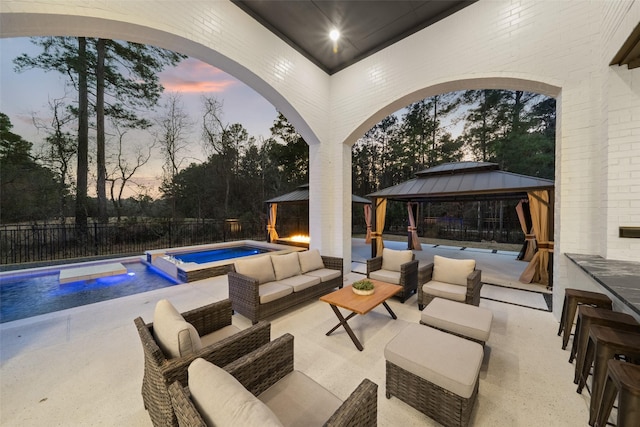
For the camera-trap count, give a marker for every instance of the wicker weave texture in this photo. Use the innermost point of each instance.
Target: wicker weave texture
(159, 371)
(474, 286)
(408, 276)
(243, 292)
(445, 407)
(264, 367)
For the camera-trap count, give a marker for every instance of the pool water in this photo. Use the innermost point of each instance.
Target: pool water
(219, 254)
(23, 296)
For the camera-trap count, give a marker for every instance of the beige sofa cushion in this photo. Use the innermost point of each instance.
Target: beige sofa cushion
(300, 282)
(392, 260)
(464, 319)
(445, 360)
(259, 268)
(445, 290)
(297, 400)
(454, 271)
(222, 401)
(325, 274)
(310, 260)
(219, 335)
(272, 291)
(386, 276)
(174, 335)
(286, 265)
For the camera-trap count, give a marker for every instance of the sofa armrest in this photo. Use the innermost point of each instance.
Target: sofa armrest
(210, 318)
(262, 368)
(474, 285)
(220, 353)
(360, 408)
(243, 292)
(333, 263)
(426, 271)
(374, 264)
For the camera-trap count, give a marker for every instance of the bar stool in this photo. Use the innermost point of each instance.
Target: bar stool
(588, 316)
(623, 380)
(605, 343)
(573, 298)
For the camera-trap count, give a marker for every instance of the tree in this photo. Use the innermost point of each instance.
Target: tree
(291, 153)
(126, 72)
(174, 127)
(123, 169)
(29, 190)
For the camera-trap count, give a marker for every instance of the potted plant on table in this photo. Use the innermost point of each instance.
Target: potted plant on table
(363, 287)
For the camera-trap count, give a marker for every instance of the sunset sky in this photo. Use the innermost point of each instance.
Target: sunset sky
(23, 95)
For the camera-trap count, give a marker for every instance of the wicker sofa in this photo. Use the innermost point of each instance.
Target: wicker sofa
(221, 344)
(262, 286)
(262, 388)
(453, 279)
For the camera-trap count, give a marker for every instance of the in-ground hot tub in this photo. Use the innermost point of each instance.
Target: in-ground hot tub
(190, 263)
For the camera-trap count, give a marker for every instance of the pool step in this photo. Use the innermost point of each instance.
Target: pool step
(91, 272)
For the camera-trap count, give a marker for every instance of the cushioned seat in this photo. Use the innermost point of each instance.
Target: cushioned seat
(435, 372)
(297, 400)
(325, 274)
(460, 319)
(272, 291)
(300, 282)
(454, 279)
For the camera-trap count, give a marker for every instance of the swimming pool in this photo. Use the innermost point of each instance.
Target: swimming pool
(220, 254)
(30, 294)
(191, 263)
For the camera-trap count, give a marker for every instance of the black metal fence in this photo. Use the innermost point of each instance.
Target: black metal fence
(49, 242)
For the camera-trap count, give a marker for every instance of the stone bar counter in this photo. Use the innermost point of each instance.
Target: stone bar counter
(620, 278)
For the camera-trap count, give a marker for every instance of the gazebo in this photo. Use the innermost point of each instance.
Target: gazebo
(476, 181)
(301, 195)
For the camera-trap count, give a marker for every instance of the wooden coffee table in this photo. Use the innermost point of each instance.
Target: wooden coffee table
(359, 304)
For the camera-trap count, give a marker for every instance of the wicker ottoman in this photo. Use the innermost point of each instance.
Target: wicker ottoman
(464, 320)
(435, 372)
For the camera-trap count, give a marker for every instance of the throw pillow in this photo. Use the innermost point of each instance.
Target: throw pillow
(392, 260)
(454, 271)
(175, 336)
(310, 260)
(222, 401)
(286, 265)
(259, 268)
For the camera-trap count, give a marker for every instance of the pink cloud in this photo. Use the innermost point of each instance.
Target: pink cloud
(193, 76)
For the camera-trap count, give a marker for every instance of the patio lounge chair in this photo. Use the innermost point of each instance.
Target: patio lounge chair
(262, 388)
(397, 267)
(453, 279)
(208, 335)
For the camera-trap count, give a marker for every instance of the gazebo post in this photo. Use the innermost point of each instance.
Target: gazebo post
(374, 236)
(551, 226)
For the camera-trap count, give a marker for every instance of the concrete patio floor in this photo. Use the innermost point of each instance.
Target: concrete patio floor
(83, 366)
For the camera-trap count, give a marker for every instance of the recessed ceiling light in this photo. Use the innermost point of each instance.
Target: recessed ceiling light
(334, 35)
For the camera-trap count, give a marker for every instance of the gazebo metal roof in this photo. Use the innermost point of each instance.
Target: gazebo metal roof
(464, 181)
(301, 194)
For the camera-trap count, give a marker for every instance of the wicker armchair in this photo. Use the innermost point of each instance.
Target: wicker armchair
(426, 295)
(160, 371)
(265, 367)
(405, 276)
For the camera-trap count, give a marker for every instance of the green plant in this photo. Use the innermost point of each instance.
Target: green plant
(363, 285)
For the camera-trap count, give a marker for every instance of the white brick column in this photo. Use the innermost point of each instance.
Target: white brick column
(330, 199)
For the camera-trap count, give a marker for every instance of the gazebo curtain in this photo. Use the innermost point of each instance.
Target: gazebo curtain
(367, 220)
(538, 269)
(529, 236)
(271, 222)
(381, 212)
(415, 242)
